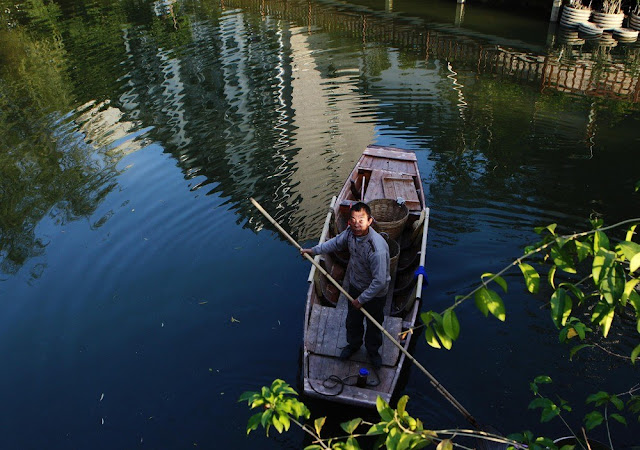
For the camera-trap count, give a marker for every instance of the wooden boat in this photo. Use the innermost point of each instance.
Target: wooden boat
(380, 173)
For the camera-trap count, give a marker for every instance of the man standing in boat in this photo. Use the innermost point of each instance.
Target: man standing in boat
(369, 279)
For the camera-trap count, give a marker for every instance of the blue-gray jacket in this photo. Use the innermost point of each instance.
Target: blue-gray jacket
(369, 262)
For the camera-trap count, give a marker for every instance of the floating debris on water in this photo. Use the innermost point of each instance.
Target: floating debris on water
(233, 319)
(101, 396)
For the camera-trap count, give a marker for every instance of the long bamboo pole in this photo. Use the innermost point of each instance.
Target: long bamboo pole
(435, 383)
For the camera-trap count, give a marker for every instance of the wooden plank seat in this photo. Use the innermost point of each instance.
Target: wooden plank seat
(402, 186)
(328, 336)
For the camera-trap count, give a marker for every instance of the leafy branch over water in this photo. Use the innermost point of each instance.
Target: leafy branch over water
(590, 275)
(587, 272)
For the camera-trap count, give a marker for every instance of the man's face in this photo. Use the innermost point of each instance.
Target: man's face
(360, 222)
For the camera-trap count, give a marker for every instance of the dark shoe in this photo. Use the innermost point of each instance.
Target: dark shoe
(376, 360)
(347, 352)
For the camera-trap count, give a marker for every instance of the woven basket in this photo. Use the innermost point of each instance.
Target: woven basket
(389, 215)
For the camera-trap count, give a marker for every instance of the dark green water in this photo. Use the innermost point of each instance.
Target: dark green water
(140, 293)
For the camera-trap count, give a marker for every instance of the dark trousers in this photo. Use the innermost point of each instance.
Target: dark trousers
(355, 323)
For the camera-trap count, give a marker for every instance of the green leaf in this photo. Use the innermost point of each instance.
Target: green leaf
(426, 317)
(634, 299)
(600, 241)
(405, 441)
(314, 447)
(481, 296)
(549, 413)
(402, 405)
(561, 306)
(633, 404)
(596, 222)
(431, 338)
(602, 261)
(593, 419)
(599, 398)
(627, 249)
(277, 424)
(531, 277)
(562, 260)
(634, 263)
(350, 426)
(351, 444)
(542, 443)
(574, 290)
(631, 232)
(488, 300)
(377, 429)
(582, 250)
(612, 284)
(551, 275)
(253, 423)
(246, 396)
(266, 417)
(582, 329)
(497, 278)
(534, 388)
(635, 353)
(318, 424)
(540, 402)
(543, 379)
(496, 307)
(381, 405)
(444, 338)
(445, 444)
(451, 324)
(628, 289)
(576, 349)
(619, 404)
(284, 420)
(603, 316)
(619, 418)
(551, 228)
(392, 439)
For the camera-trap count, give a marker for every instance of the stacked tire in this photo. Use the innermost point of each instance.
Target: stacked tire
(625, 35)
(607, 21)
(572, 17)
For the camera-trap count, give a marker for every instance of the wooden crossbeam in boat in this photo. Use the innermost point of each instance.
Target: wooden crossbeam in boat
(390, 153)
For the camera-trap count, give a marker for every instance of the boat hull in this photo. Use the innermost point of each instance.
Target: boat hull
(380, 173)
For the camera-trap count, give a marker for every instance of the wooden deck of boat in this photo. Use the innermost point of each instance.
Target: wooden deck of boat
(326, 337)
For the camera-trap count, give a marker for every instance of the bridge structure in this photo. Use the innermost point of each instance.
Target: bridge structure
(561, 68)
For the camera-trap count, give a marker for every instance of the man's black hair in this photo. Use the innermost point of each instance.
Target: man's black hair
(359, 206)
